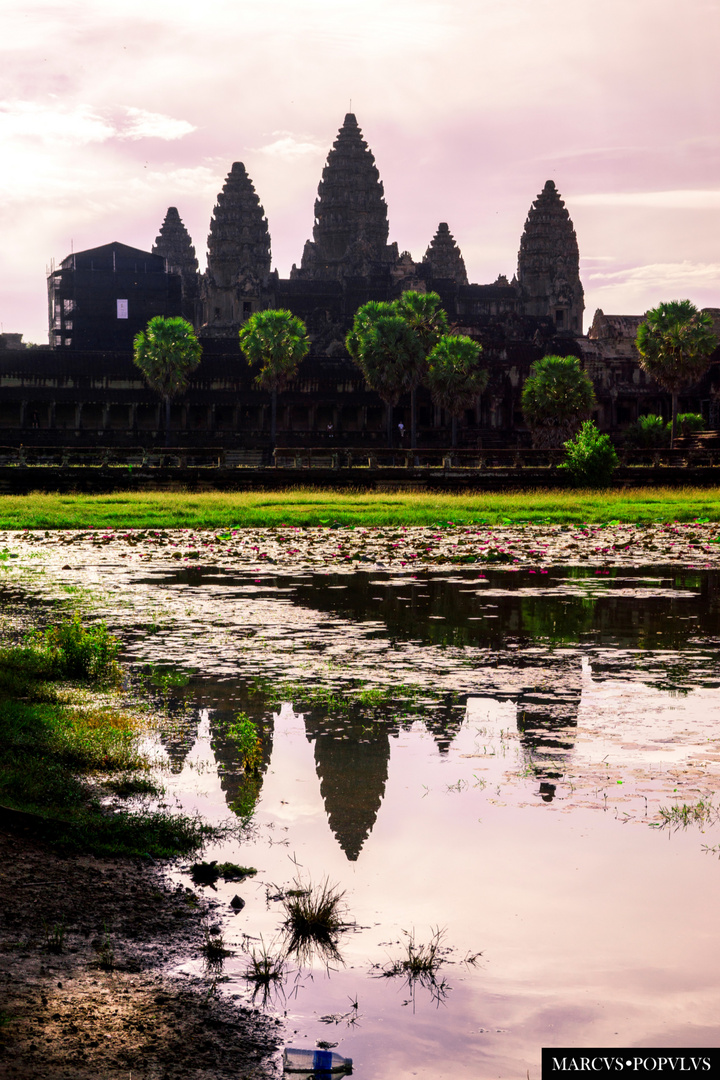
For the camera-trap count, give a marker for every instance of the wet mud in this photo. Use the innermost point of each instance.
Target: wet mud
(85, 945)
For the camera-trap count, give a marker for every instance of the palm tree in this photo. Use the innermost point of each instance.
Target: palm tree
(454, 377)
(557, 396)
(166, 352)
(278, 341)
(384, 348)
(426, 317)
(675, 343)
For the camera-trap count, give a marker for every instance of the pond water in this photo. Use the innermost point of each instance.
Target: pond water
(483, 756)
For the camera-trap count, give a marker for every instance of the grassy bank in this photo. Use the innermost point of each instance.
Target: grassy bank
(312, 507)
(62, 726)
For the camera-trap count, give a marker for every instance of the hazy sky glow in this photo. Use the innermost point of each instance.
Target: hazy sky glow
(110, 113)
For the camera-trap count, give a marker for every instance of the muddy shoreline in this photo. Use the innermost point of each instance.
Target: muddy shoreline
(104, 1007)
(87, 951)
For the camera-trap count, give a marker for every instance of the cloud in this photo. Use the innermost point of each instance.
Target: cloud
(149, 125)
(568, 154)
(80, 125)
(688, 199)
(662, 274)
(288, 146)
(52, 123)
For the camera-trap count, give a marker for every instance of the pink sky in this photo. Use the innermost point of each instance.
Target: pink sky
(110, 113)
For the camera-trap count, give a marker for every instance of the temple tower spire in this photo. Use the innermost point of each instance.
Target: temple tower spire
(444, 258)
(238, 255)
(351, 227)
(176, 247)
(549, 264)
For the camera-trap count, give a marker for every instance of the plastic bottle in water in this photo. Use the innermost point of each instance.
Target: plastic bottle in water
(315, 1061)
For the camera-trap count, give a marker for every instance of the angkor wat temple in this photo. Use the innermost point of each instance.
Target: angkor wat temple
(85, 387)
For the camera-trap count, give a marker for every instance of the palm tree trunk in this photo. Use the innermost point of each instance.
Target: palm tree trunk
(453, 431)
(273, 416)
(413, 418)
(167, 419)
(673, 431)
(389, 414)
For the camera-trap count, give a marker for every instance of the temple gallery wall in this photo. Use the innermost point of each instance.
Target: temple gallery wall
(84, 388)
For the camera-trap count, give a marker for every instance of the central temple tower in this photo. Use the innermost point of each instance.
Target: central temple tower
(351, 227)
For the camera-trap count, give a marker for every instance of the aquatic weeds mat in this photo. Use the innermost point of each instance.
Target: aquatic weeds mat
(197, 551)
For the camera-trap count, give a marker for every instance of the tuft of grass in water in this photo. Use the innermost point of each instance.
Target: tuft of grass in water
(244, 734)
(315, 916)
(312, 910)
(703, 812)
(207, 873)
(88, 654)
(214, 950)
(264, 967)
(419, 959)
(420, 966)
(317, 507)
(232, 872)
(129, 784)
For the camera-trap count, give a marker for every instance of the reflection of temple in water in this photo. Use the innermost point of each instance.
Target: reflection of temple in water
(178, 734)
(351, 760)
(546, 723)
(352, 768)
(445, 721)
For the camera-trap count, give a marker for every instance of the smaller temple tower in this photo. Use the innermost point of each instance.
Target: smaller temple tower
(176, 247)
(548, 272)
(444, 258)
(238, 265)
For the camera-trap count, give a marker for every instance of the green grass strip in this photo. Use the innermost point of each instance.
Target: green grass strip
(317, 507)
(53, 740)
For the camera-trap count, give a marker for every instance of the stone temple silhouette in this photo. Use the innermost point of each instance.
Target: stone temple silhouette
(348, 260)
(84, 390)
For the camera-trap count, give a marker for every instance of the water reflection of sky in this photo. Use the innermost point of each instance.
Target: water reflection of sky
(515, 815)
(509, 802)
(593, 932)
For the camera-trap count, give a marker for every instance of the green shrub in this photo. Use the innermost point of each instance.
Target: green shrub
(590, 458)
(652, 432)
(86, 654)
(648, 432)
(688, 423)
(244, 734)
